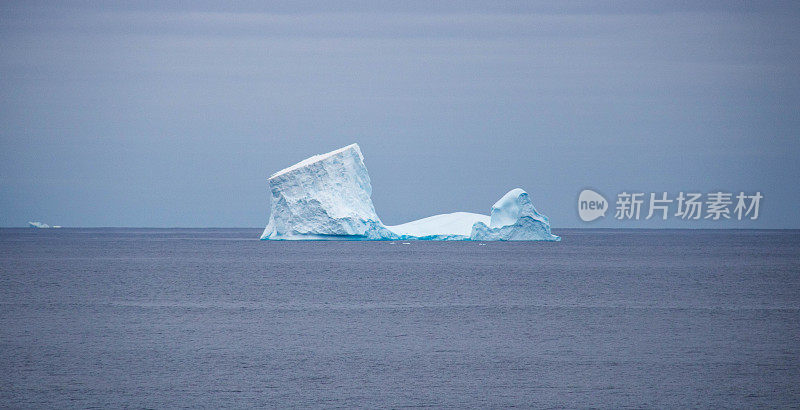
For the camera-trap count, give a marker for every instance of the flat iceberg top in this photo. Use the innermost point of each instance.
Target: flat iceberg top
(456, 223)
(316, 158)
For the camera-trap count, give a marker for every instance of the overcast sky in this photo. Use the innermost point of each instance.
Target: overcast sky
(174, 114)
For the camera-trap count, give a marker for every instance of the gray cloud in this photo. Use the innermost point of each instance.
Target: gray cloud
(154, 115)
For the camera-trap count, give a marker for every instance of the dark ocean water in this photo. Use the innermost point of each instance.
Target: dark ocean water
(215, 318)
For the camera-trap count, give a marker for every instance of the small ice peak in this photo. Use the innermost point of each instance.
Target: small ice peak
(507, 210)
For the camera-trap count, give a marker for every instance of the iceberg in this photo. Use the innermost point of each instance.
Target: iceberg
(328, 196)
(38, 225)
(514, 218)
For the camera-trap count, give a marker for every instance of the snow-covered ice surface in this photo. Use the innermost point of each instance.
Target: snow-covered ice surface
(328, 196)
(453, 226)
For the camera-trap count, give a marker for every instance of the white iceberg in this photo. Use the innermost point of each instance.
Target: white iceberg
(324, 197)
(328, 196)
(514, 218)
(38, 225)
